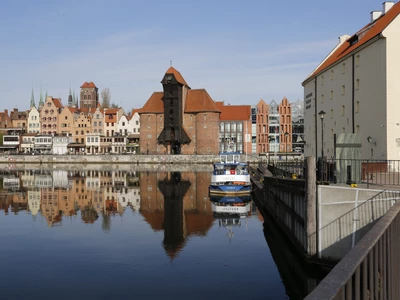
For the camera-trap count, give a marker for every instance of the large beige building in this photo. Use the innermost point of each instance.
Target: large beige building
(358, 87)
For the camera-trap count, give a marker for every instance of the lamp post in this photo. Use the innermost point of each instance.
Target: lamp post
(321, 116)
(286, 136)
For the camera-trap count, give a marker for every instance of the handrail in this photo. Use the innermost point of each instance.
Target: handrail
(364, 271)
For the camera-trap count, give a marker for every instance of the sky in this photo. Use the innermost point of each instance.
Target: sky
(239, 51)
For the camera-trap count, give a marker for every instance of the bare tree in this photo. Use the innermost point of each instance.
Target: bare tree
(105, 97)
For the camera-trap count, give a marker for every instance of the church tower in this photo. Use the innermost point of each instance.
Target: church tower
(175, 88)
(89, 95)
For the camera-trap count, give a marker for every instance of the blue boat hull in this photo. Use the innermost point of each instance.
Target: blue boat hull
(230, 189)
(230, 199)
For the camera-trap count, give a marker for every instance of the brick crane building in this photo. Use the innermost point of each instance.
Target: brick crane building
(179, 120)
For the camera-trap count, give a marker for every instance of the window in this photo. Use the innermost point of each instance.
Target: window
(357, 84)
(95, 123)
(343, 89)
(331, 113)
(123, 123)
(331, 95)
(322, 80)
(205, 117)
(322, 98)
(343, 110)
(357, 60)
(100, 123)
(332, 75)
(357, 128)
(343, 68)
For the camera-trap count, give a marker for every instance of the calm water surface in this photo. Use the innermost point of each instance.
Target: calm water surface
(122, 235)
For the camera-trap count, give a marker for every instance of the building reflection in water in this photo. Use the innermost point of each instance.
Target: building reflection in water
(178, 204)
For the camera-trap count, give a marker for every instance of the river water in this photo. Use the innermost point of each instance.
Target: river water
(122, 235)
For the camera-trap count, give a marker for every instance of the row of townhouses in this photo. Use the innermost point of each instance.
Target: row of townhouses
(179, 120)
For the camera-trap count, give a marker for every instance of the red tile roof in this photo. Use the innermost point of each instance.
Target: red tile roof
(72, 109)
(364, 35)
(197, 101)
(235, 112)
(111, 110)
(57, 102)
(154, 104)
(88, 85)
(177, 75)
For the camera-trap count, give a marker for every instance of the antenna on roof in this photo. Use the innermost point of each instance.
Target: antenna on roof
(170, 63)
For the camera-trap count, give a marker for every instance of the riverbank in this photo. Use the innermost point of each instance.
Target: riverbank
(118, 159)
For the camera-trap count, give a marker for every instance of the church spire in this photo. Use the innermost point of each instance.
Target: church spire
(41, 103)
(70, 99)
(32, 99)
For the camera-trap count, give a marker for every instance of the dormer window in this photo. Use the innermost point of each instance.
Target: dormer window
(168, 78)
(353, 40)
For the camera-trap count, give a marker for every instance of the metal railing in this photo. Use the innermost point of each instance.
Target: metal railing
(371, 270)
(338, 237)
(367, 171)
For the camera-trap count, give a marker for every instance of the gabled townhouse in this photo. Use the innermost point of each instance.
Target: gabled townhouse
(66, 120)
(49, 115)
(18, 118)
(97, 121)
(135, 121)
(33, 122)
(82, 126)
(124, 126)
(111, 117)
(5, 121)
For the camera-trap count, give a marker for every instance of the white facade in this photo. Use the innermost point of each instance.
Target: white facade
(135, 123)
(124, 126)
(130, 197)
(43, 143)
(28, 143)
(359, 94)
(60, 144)
(34, 121)
(34, 197)
(92, 143)
(60, 179)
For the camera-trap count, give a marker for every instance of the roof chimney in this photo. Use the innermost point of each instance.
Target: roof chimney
(343, 38)
(375, 15)
(386, 6)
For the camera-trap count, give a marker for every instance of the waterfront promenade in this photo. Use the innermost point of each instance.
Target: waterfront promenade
(119, 159)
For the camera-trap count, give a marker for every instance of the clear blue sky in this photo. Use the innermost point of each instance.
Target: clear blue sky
(239, 51)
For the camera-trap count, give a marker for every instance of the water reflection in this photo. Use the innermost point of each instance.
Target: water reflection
(146, 220)
(230, 210)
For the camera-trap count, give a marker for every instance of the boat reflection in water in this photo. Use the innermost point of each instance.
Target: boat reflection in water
(230, 210)
(230, 205)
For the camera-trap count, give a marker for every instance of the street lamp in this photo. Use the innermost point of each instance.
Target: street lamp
(286, 136)
(321, 116)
